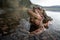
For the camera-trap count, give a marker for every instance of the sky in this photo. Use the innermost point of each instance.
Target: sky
(46, 2)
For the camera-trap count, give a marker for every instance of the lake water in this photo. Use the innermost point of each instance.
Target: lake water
(56, 19)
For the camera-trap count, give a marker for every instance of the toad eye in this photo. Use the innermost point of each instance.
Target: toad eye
(35, 18)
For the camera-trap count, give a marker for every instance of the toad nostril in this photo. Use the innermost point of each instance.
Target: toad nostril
(41, 16)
